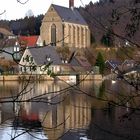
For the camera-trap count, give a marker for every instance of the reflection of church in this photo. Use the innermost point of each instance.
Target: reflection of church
(72, 114)
(65, 23)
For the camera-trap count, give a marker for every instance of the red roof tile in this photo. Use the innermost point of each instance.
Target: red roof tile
(29, 41)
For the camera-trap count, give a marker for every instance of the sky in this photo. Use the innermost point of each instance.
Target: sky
(15, 10)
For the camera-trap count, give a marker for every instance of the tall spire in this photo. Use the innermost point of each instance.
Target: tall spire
(71, 4)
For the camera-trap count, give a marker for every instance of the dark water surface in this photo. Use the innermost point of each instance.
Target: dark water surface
(55, 110)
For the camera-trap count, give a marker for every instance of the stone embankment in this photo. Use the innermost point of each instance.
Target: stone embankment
(46, 77)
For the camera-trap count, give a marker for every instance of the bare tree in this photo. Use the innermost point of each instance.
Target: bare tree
(124, 100)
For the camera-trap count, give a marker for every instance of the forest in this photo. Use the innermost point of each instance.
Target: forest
(26, 26)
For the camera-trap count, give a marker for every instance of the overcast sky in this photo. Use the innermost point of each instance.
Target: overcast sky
(15, 10)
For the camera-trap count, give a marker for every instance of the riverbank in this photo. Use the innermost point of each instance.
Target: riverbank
(48, 78)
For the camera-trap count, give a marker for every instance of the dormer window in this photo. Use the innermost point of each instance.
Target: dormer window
(48, 58)
(64, 61)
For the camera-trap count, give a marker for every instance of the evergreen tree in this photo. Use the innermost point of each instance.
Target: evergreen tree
(100, 62)
(92, 38)
(108, 39)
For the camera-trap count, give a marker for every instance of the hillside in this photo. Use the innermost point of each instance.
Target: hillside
(118, 16)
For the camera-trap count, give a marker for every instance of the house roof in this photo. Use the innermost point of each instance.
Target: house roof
(113, 63)
(133, 69)
(29, 41)
(69, 15)
(80, 61)
(8, 42)
(74, 62)
(83, 61)
(40, 55)
(5, 32)
(128, 62)
(126, 65)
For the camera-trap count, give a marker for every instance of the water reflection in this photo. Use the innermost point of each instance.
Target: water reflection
(54, 110)
(55, 114)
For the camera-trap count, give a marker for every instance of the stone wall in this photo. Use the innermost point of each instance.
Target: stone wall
(9, 78)
(91, 77)
(46, 77)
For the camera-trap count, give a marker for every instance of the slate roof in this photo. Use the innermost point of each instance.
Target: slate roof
(113, 63)
(69, 15)
(74, 62)
(40, 55)
(128, 62)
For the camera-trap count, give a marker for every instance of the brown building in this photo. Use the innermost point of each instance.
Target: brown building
(65, 26)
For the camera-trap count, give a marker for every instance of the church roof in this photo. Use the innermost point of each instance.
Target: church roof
(69, 15)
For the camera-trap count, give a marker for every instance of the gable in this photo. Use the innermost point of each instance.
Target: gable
(112, 64)
(51, 15)
(25, 63)
(39, 41)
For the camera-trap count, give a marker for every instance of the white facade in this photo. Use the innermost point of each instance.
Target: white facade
(27, 65)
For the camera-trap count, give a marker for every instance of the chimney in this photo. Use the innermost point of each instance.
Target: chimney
(71, 4)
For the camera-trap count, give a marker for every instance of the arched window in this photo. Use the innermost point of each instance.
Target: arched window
(53, 34)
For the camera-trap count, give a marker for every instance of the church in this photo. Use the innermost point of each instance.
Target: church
(63, 26)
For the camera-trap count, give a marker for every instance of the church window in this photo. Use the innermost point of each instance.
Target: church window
(53, 34)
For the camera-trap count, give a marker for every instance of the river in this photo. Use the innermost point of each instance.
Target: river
(92, 110)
